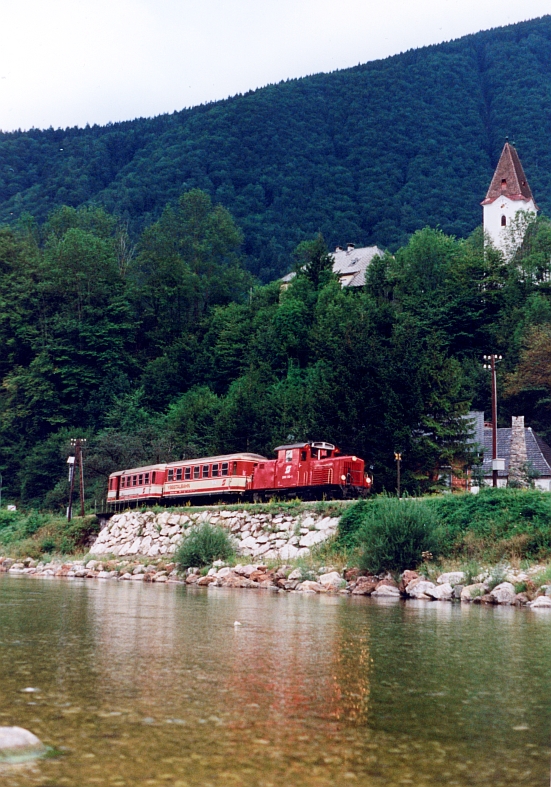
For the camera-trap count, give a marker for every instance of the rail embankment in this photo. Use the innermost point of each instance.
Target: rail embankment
(493, 548)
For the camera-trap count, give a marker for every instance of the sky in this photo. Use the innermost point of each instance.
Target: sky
(73, 62)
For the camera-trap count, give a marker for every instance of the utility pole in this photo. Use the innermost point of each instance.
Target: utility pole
(71, 463)
(78, 444)
(497, 464)
(398, 460)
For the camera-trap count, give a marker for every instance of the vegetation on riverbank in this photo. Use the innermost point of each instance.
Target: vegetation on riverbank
(34, 534)
(382, 533)
(491, 526)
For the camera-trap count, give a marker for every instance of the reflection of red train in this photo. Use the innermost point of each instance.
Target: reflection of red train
(306, 470)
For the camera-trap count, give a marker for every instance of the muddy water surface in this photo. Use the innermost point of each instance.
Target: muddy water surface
(154, 685)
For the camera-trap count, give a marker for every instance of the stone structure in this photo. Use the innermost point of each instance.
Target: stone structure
(257, 535)
(525, 455)
(518, 458)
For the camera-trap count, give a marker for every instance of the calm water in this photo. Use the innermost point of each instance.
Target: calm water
(153, 685)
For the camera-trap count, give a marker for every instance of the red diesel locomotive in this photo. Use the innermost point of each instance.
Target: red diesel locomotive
(306, 470)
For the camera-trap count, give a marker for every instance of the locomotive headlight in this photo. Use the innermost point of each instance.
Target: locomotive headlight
(354, 458)
(343, 478)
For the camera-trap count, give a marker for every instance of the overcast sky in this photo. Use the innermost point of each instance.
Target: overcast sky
(72, 62)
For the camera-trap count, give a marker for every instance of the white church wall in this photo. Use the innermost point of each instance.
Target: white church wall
(493, 213)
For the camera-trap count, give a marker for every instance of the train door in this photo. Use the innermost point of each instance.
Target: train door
(287, 468)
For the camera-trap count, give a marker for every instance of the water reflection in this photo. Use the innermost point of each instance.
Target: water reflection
(155, 685)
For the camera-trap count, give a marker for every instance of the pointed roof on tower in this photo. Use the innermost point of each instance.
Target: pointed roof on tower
(509, 179)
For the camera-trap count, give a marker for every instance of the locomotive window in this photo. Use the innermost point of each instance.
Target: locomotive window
(205, 471)
(153, 477)
(187, 473)
(224, 468)
(234, 471)
(178, 473)
(146, 481)
(140, 479)
(134, 480)
(215, 471)
(196, 471)
(303, 456)
(171, 474)
(122, 482)
(288, 456)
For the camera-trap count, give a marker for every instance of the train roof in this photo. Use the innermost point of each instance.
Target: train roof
(160, 466)
(327, 446)
(222, 458)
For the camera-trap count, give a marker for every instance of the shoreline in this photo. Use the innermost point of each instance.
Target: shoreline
(492, 587)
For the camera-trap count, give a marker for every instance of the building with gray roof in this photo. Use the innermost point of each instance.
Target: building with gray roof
(349, 264)
(524, 452)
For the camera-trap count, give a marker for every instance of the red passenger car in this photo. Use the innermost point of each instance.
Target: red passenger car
(212, 477)
(141, 484)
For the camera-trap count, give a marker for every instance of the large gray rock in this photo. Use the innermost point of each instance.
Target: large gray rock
(313, 537)
(452, 577)
(504, 593)
(541, 602)
(441, 592)
(308, 586)
(470, 592)
(419, 588)
(331, 579)
(18, 745)
(386, 591)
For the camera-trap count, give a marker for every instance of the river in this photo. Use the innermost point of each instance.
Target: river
(154, 685)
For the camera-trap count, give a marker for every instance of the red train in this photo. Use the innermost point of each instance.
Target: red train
(305, 470)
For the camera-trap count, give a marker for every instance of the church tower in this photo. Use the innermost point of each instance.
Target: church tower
(508, 194)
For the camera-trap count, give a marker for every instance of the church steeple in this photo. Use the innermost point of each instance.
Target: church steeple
(508, 194)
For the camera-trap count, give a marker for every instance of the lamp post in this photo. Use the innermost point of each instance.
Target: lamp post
(497, 464)
(398, 460)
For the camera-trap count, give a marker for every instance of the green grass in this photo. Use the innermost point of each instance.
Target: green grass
(34, 534)
(495, 525)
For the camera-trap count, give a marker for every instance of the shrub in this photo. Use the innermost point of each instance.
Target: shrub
(351, 522)
(203, 544)
(394, 534)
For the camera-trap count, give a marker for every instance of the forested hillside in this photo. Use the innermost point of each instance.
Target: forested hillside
(170, 348)
(369, 154)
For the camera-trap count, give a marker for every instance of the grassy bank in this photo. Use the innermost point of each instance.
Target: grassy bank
(33, 534)
(500, 524)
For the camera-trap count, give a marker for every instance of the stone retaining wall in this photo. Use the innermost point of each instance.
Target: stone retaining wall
(265, 535)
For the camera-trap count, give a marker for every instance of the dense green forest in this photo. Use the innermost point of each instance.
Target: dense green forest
(368, 154)
(170, 348)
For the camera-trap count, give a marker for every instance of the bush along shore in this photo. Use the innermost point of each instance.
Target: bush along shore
(493, 548)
